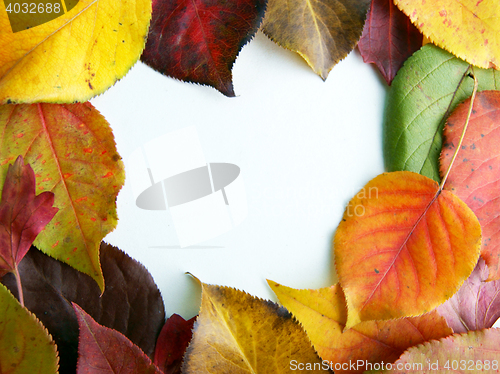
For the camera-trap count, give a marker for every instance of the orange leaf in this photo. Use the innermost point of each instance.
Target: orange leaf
(323, 313)
(403, 248)
(475, 177)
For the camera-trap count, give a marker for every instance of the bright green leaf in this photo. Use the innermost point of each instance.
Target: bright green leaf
(425, 91)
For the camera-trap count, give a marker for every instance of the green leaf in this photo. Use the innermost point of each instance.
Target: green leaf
(25, 345)
(425, 91)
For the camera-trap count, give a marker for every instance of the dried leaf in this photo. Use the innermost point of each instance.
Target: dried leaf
(72, 151)
(475, 176)
(74, 57)
(403, 248)
(323, 314)
(467, 28)
(105, 350)
(198, 41)
(322, 32)
(475, 352)
(22, 214)
(172, 343)
(388, 39)
(476, 305)
(131, 303)
(237, 333)
(425, 91)
(25, 345)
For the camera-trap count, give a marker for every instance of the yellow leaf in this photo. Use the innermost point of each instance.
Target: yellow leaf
(470, 29)
(238, 333)
(323, 314)
(72, 151)
(322, 32)
(75, 56)
(403, 247)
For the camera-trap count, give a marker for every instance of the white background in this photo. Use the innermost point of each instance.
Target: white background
(304, 146)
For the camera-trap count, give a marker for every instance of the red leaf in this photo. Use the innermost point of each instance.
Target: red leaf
(22, 214)
(198, 41)
(476, 305)
(172, 343)
(475, 176)
(103, 350)
(388, 39)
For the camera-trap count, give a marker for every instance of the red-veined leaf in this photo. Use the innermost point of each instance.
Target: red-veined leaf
(198, 41)
(475, 176)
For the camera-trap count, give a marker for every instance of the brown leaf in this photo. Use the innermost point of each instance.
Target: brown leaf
(322, 32)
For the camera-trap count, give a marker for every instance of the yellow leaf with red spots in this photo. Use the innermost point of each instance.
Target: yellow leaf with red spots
(470, 29)
(63, 52)
(72, 151)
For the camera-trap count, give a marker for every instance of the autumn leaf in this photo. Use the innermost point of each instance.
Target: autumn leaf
(323, 315)
(322, 32)
(172, 343)
(388, 38)
(468, 28)
(425, 91)
(23, 214)
(108, 351)
(403, 247)
(238, 333)
(476, 305)
(72, 151)
(131, 303)
(474, 352)
(475, 176)
(75, 56)
(198, 41)
(25, 345)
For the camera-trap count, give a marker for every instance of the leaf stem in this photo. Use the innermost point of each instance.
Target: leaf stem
(19, 285)
(457, 149)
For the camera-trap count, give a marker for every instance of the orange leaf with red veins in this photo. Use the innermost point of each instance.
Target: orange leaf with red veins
(323, 314)
(403, 248)
(73, 154)
(475, 176)
(23, 214)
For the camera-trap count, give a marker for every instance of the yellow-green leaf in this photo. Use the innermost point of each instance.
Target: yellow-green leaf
(25, 345)
(72, 150)
(470, 29)
(322, 32)
(323, 314)
(403, 247)
(74, 57)
(237, 333)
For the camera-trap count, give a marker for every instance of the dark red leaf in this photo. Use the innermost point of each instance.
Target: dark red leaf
(104, 350)
(388, 39)
(22, 214)
(476, 305)
(198, 40)
(172, 343)
(131, 303)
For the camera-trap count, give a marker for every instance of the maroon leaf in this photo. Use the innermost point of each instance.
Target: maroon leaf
(476, 305)
(198, 41)
(22, 214)
(388, 39)
(172, 343)
(131, 303)
(104, 350)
